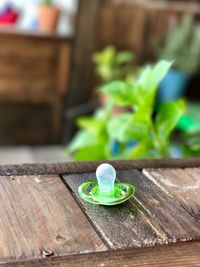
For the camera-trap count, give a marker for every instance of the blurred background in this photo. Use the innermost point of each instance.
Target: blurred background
(55, 55)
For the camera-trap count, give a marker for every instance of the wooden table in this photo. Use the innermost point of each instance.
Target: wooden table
(43, 222)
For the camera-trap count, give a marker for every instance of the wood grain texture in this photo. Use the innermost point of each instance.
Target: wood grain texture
(150, 217)
(182, 185)
(122, 226)
(90, 166)
(176, 255)
(177, 223)
(38, 213)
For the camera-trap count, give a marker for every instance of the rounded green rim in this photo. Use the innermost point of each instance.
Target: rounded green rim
(89, 191)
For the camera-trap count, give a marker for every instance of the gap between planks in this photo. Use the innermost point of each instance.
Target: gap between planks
(38, 213)
(99, 233)
(151, 217)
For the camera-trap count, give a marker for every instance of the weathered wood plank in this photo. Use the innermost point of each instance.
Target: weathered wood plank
(176, 255)
(90, 166)
(182, 185)
(177, 223)
(149, 218)
(38, 213)
(122, 226)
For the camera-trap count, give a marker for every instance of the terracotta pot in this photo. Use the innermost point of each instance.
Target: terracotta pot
(48, 18)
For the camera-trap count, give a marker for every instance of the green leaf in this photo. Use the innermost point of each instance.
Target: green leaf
(105, 57)
(119, 91)
(93, 125)
(95, 152)
(105, 112)
(105, 72)
(159, 71)
(168, 117)
(125, 128)
(147, 84)
(142, 83)
(151, 76)
(119, 126)
(81, 140)
(124, 57)
(192, 141)
(141, 150)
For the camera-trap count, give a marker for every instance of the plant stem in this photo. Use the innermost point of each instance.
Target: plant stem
(162, 148)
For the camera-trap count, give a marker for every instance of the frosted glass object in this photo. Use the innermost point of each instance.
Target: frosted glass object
(106, 176)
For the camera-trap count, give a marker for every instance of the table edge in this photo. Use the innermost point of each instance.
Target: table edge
(90, 166)
(99, 257)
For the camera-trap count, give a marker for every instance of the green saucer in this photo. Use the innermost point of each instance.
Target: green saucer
(89, 191)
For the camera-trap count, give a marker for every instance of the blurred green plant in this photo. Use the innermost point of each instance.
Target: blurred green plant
(113, 65)
(182, 44)
(47, 2)
(151, 132)
(92, 142)
(191, 143)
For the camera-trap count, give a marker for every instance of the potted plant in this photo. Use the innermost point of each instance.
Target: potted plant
(48, 15)
(111, 64)
(182, 45)
(149, 132)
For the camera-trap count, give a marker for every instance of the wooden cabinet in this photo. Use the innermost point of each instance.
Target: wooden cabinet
(34, 72)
